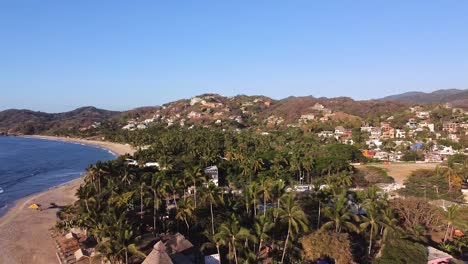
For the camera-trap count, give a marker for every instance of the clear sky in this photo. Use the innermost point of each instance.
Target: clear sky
(59, 55)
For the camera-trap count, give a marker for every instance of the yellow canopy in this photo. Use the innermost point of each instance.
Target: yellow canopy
(34, 206)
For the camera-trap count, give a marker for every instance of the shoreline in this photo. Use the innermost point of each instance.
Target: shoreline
(116, 148)
(25, 232)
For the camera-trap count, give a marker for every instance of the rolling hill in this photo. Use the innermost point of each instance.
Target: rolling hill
(456, 97)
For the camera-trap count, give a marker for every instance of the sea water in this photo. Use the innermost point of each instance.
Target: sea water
(31, 165)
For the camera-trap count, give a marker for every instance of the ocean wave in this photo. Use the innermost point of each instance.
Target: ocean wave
(1, 190)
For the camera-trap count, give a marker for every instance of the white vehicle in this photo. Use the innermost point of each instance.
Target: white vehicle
(132, 162)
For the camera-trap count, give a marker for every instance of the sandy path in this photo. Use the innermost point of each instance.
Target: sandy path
(401, 171)
(24, 233)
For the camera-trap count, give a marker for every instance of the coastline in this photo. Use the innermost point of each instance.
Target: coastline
(116, 148)
(25, 233)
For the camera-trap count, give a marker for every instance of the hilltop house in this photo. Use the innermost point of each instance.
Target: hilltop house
(450, 127)
(412, 123)
(429, 126)
(400, 133)
(318, 107)
(306, 117)
(423, 114)
(326, 133)
(375, 133)
(339, 130)
(387, 131)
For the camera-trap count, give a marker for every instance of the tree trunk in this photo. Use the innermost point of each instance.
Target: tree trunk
(277, 209)
(370, 239)
(255, 207)
(175, 202)
(188, 227)
(260, 247)
(219, 254)
(141, 201)
(212, 218)
(446, 232)
(154, 212)
(235, 251)
(195, 194)
(318, 218)
(286, 243)
(264, 205)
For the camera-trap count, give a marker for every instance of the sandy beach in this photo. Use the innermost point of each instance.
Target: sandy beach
(24, 233)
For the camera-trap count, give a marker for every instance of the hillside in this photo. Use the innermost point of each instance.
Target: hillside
(16, 121)
(456, 97)
(240, 111)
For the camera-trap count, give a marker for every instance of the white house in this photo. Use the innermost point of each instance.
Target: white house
(400, 133)
(212, 173)
(423, 114)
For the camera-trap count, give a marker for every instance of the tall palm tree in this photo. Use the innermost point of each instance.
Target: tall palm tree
(339, 215)
(230, 233)
(262, 226)
(371, 221)
(265, 188)
(291, 214)
(252, 193)
(158, 185)
(451, 215)
(277, 191)
(185, 212)
(213, 197)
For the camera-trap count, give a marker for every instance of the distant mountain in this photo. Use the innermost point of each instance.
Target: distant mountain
(456, 97)
(14, 121)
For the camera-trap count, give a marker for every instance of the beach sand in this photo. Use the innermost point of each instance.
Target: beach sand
(25, 233)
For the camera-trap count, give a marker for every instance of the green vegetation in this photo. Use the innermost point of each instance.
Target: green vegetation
(404, 252)
(254, 214)
(443, 183)
(413, 155)
(375, 175)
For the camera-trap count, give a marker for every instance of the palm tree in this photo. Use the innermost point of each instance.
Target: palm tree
(252, 196)
(230, 233)
(451, 215)
(213, 197)
(339, 215)
(197, 177)
(265, 188)
(370, 221)
(214, 241)
(278, 190)
(158, 185)
(262, 226)
(291, 213)
(185, 212)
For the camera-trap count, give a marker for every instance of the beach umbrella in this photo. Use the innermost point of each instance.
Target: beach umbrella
(34, 206)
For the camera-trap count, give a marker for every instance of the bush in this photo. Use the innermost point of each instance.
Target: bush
(326, 244)
(376, 175)
(429, 185)
(413, 156)
(401, 251)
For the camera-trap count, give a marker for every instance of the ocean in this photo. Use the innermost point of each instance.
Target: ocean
(30, 165)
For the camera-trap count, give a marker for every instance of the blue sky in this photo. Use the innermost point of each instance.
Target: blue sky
(59, 55)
